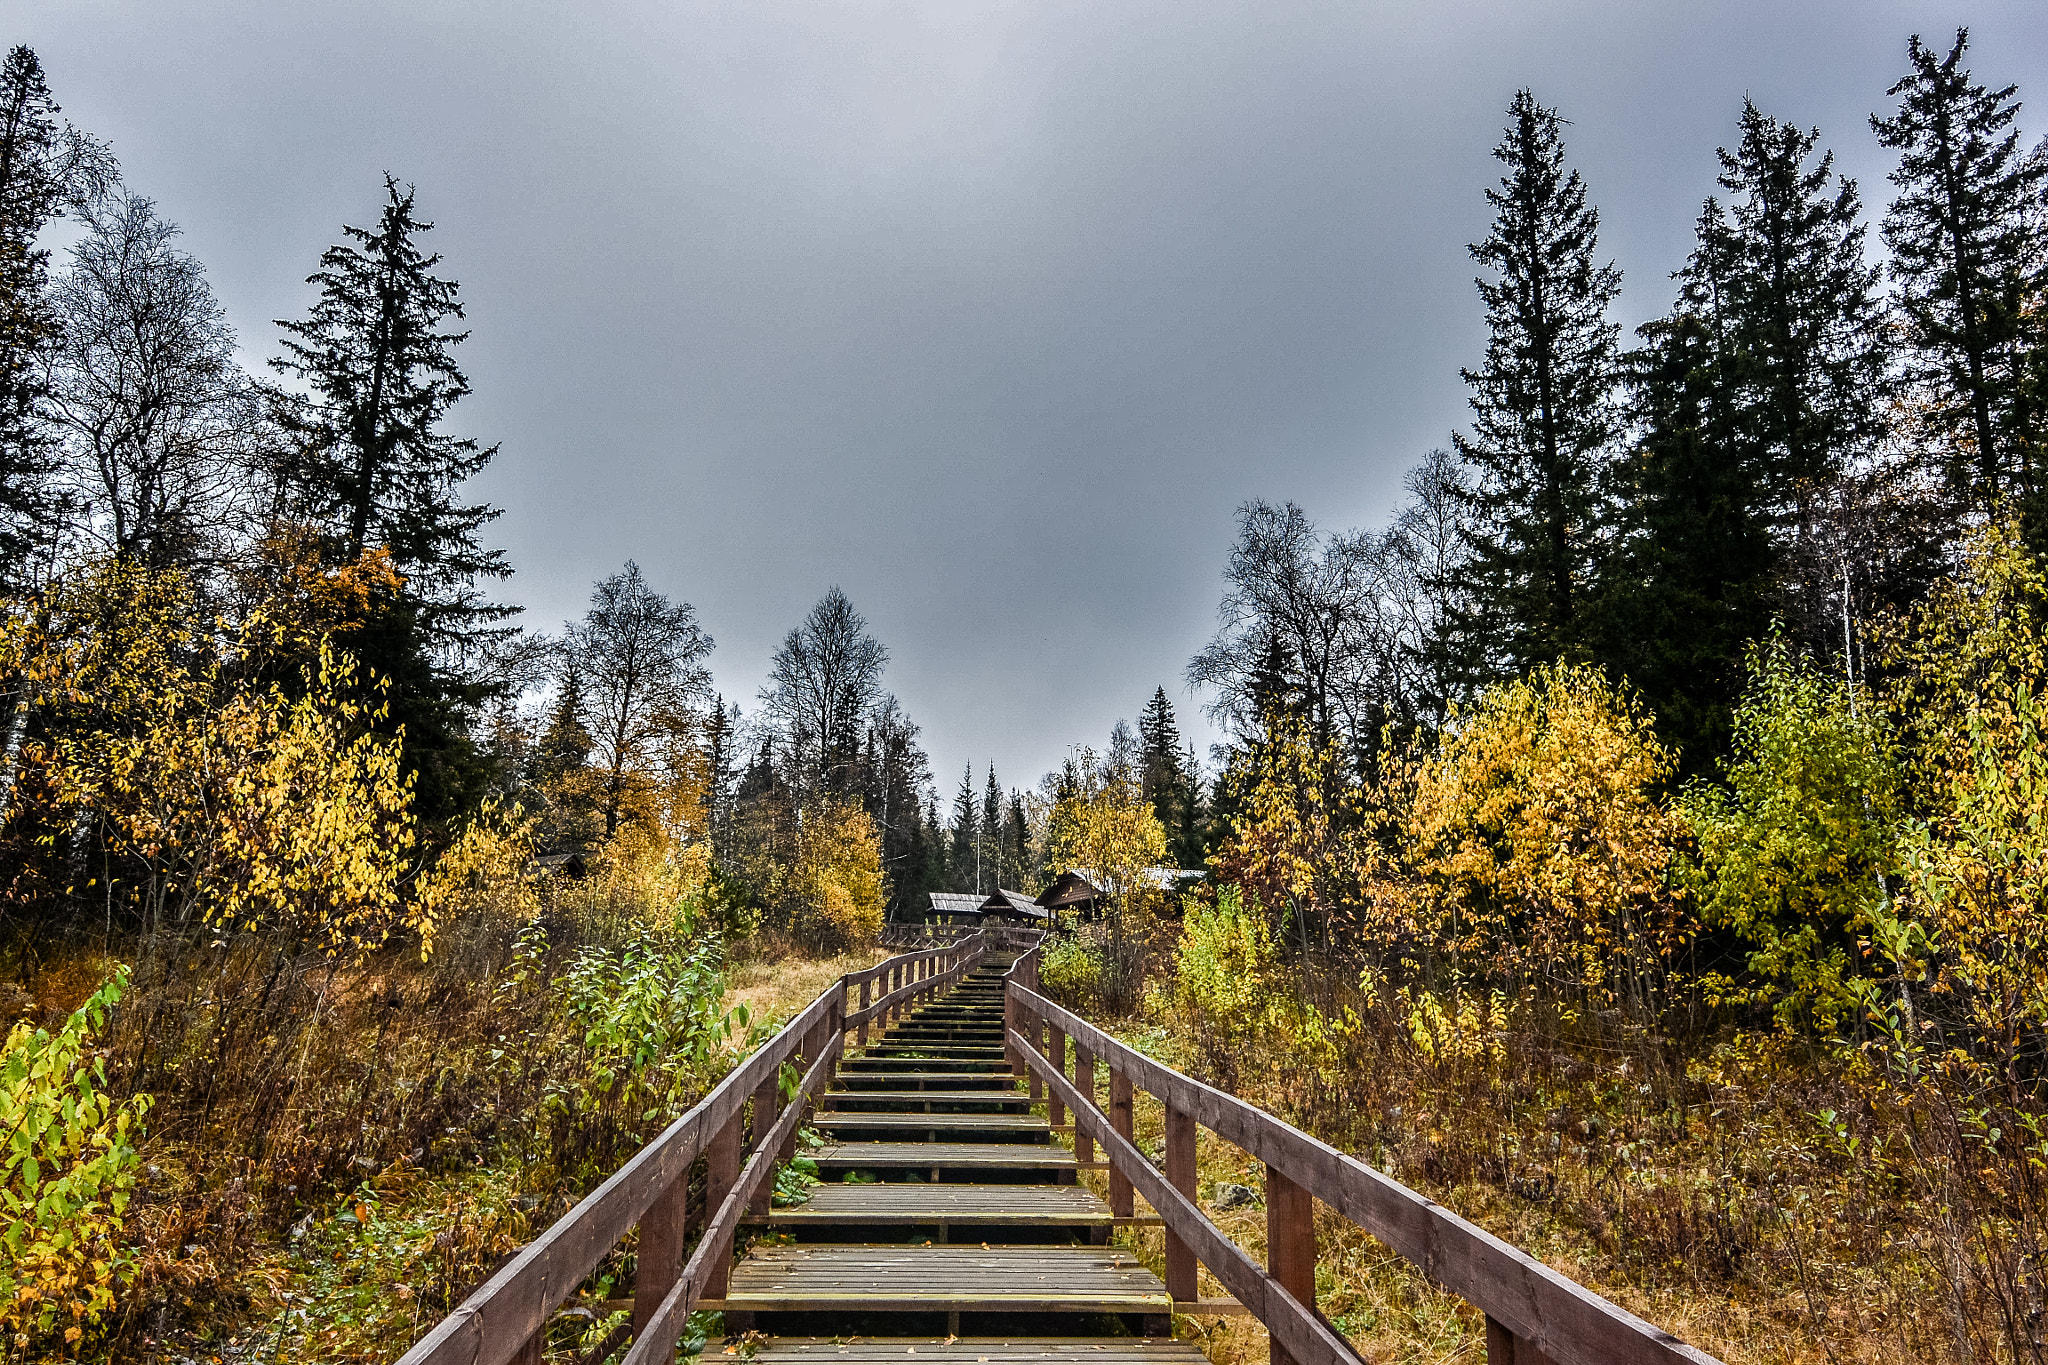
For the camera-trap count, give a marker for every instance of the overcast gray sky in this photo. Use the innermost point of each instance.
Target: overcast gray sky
(990, 313)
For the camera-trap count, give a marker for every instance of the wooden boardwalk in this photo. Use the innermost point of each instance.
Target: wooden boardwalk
(950, 1224)
(949, 1220)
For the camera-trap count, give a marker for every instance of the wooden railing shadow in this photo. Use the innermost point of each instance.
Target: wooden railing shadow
(1534, 1316)
(742, 1130)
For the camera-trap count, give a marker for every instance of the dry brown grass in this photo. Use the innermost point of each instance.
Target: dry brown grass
(777, 984)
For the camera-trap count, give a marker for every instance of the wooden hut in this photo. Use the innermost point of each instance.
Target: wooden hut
(1071, 896)
(1014, 907)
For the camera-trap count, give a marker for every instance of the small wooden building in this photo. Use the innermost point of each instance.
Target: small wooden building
(1014, 907)
(954, 907)
(1071, 896)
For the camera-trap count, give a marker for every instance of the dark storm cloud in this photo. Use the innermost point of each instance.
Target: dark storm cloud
(990, 314)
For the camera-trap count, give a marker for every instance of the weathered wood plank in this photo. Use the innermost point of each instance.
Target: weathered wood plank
(956, 1278)
(943, 1155)
(981, 1351)
(917, 1202)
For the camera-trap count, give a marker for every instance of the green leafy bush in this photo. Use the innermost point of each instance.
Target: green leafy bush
(654, 1025)
(65, 1176)
(1795, 852)
(1070, 971)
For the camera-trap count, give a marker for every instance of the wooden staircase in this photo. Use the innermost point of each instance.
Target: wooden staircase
(949, 1223)
(963, 1234)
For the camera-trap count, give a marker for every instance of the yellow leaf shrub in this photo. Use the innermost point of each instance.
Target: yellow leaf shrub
(247, 805)
(837, 875)
(1540, 842)
(1111, 834)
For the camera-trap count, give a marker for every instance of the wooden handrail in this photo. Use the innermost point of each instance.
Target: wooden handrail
(1534, 1315)
(506, 1318)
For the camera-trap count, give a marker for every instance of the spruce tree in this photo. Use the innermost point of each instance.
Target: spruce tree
(45, 171)
(1779, 274)
(965, 834)
(378, 359)
(938, 870)
(719, 733)
(1966, 255)
(1159, 758)
(1017, 846)
(1690, 581)
(376, 470)
(1190, 843)
(565, 744)
(1543, 404)
(990, 863)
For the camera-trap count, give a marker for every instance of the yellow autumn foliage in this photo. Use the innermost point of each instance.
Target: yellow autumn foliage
(1109, 833)
(1292, 839)
(837, 874)
(1539, 839)
(246, 805)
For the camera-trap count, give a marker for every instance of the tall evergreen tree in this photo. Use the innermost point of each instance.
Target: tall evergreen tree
(720, 733)
(896, 779)
(1779, 272)
(1967, 257)
(1690, 582)
(1159, 757)
(966, 834)
(376, 470)
(45, 171)
(565, 744)
(1189, 842)
(1017, 869)
(939, 867)
(378, 361)
(989, 863)
(1543, 404)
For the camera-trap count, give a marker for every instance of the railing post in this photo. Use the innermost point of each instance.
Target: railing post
(767, 1097)
(1035, 1033)
(1503, 1347)
(1180, 1173)
(1084, 1081)
(721, 1172)
(664, 1233)
(864, 1005)
(1017, 1018)
(1056, 1050)
(1120, 1122)
(1291, 1244)
(534, 1350)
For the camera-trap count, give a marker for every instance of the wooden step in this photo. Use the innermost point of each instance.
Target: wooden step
(949, 1051)
(923, 1081)
(958, 1066)
(837, 1099)
(829, 1278)
(943, 1156)
(987, 1126)
(980, 1351)
(924, 1205)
